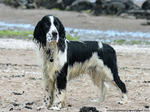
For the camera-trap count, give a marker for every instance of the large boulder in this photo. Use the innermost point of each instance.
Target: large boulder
(27, 4)
(13, 3)
(114, 7)
(146, 5)
(88, 109)
(80, 5)
(49, 4)
(143, 13)
(67, 3)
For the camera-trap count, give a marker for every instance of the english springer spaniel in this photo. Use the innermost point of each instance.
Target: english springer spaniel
(62, 60)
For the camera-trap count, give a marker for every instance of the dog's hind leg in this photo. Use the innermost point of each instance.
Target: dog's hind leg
(103, 90)
(113, 77)
(102, 73)
(115, 80)
(120, 85)
(103, 87)
(99, 81)
(118, 82)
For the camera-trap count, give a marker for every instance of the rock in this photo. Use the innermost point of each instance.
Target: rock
(142, 14)
(32, 78)
(127, 16)
(25, 4)
(67, 3)
(27, 107)
(15, 104)
(146, 81)
(31, 6)
(13, 3)
(96, 7)
(49, 4)
(80, 5)
(114, 7)
(146, 5)
(29, 103)
(88, 109)
(18, 93)
(11, 109)
(69, 105)
(146, 106)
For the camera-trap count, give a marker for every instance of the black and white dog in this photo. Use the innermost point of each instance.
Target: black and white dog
(63, 59)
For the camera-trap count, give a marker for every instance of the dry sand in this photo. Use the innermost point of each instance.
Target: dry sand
(20, 74)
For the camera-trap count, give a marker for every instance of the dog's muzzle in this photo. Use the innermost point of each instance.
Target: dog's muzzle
(53, 37)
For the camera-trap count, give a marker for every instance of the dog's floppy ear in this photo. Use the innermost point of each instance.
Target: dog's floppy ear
(39, 35)
(61, 29)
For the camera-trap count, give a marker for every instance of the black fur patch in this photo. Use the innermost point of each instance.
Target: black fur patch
(62, 78)
(81, 51)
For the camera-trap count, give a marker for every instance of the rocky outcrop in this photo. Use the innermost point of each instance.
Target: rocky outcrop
(96, 7)
(146, 5)
(81, 5)
(25, 4)
(114, 7)
(143, 12)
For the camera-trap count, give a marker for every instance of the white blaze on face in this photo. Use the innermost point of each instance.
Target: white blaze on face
(100, 45)
(49, 36)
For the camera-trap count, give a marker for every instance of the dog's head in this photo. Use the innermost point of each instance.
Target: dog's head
(49, 30)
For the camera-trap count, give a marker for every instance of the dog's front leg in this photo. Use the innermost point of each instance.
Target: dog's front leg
(48, 86)
(59, 93)
(59, 100)
(49, 91)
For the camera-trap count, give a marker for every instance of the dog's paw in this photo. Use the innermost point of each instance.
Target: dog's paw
(124, 99)
(55, 108)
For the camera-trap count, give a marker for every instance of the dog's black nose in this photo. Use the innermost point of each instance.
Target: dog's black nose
(54, 34)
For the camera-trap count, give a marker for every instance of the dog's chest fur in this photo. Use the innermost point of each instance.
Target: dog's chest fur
(59, 59)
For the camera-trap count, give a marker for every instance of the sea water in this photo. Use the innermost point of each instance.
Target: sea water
(87, 34)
